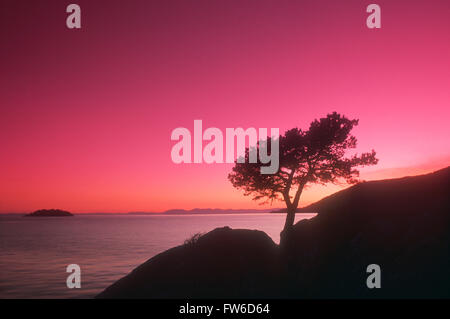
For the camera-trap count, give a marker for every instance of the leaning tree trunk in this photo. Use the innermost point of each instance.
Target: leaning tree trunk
(290, 217)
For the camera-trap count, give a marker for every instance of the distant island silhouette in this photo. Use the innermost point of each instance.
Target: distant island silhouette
(401, 224)
(49, 213)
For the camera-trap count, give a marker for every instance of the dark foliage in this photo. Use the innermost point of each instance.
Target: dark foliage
(317, 155)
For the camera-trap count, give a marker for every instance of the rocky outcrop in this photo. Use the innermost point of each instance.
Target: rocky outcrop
(222, 263)
(402, 225)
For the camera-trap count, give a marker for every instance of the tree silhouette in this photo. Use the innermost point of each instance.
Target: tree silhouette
(305, 157)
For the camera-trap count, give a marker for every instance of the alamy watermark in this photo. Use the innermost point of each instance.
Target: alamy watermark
(213, 152)
(374, 279)
(74, 279)
(73, 20)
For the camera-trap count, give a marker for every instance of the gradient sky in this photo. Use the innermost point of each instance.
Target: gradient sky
(86, 115)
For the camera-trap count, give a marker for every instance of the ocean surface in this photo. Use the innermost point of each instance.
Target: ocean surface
(34, 252)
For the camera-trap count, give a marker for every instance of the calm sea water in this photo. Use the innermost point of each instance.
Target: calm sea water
(34, 252)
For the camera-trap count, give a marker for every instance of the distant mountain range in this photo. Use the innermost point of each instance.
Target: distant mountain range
(201, 211)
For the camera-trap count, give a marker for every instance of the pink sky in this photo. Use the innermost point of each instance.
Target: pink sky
(86, 115)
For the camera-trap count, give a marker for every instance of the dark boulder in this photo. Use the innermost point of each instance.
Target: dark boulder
(231, 263)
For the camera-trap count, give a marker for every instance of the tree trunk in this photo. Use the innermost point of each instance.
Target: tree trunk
(290, 217)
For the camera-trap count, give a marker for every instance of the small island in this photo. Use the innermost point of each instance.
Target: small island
(49, 213)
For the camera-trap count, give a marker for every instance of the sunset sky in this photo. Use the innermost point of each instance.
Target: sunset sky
(86, 115)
